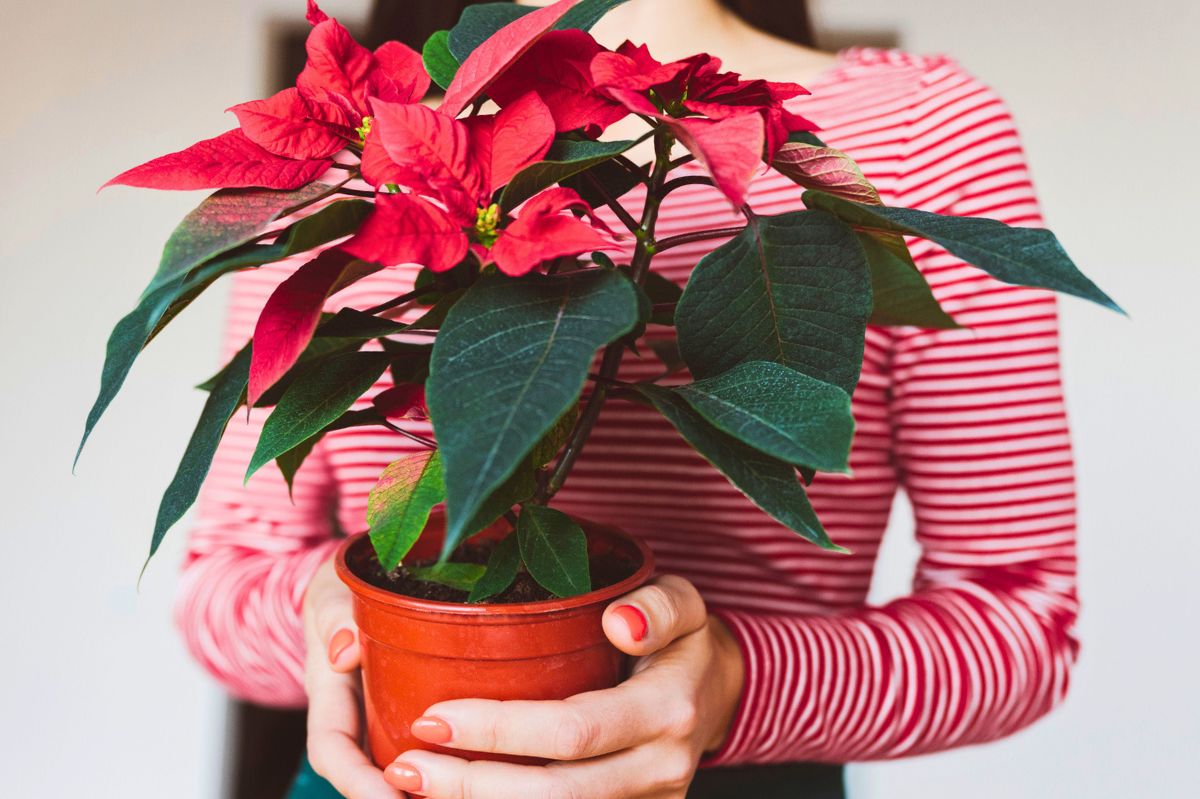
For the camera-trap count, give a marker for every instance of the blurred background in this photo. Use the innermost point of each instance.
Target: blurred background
(98, 696)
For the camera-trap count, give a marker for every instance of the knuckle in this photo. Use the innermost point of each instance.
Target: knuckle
(676, 769)
(575, 735)
(662, 604)
(560, 787)
(683, 720)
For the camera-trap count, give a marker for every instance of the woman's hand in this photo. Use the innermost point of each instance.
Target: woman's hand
(335, 691)
(642, 738)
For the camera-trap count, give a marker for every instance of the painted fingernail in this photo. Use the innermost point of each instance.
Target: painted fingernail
(634, 618)
(339, 643)
(432, 730)
(403, 776)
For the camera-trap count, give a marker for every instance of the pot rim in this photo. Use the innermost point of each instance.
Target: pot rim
(365, 590)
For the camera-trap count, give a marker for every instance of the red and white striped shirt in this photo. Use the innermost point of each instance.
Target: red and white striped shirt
(970, 423)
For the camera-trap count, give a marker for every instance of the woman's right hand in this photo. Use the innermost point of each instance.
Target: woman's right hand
(334, 687)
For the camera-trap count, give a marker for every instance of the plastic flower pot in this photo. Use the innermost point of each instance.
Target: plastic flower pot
(417, 652)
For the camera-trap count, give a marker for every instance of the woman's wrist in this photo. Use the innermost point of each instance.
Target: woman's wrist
(731, 679)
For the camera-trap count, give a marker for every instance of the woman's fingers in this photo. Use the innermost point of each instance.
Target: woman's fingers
(583, 726)
(328, 611)
(655, 615)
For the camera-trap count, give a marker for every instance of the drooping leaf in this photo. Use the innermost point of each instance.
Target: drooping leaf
(489, 59)
(440, 63)
(510, 358)
(778, 411)
(769, 483)
(459, 576)
(554, 549)
(398, 506)
(353, 323)
(222, 401)
(900, 294)
(316, 398)
(501, 570)
(290, 462)
(230, 160)
(794, 289)
(1022, 256)
(565, 158)
(730, 148)
(826, 169)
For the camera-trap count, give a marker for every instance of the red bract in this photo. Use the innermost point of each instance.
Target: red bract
(288, 139)
(489, 60)
(460, 164)
(403, 401)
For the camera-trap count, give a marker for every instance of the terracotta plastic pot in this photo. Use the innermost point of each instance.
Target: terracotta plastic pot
(417, 652)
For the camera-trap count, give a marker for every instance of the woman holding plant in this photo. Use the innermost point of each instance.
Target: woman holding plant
(755, 651)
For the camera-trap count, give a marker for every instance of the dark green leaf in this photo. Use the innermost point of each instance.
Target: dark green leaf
(319, 396)
(616, 180)
(478, 22)
(179, 281)
(501, 570)
(440, 63)
(290, 462)
(544, 451)
(510, 358)
(566, 158)
(793, 289)
(778, 411)
(224, 399)
(899, 292)
(459, 576)
(435, 316)
(769, 483)
(662, 292)
(399, 504)
(806, 137)
(586, 14)
(554, 549)
(351, 323)
(1018, 255)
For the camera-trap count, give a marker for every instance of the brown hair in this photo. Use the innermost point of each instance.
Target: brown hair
(413, 21)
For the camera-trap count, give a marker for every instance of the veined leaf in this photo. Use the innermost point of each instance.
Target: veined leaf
(459, 576)
(770, 484)
(478, 22)
(554, 549)
(794, 289)
(587, 13)
(501, 570)
(566, 158)
(1018, 255)
(317, 397)
(290, 462)
(510, 358)
(900, 294)
(399, 504)
(826, 169)
(440, 63)
(778, 411)
(222, 401)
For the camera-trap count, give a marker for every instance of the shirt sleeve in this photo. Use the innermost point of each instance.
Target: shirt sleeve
(253, 549)
(983, 646)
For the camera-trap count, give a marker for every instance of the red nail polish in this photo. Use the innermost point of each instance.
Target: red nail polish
(403, 776)
(339, 643)
(432, 730)
(634, 618)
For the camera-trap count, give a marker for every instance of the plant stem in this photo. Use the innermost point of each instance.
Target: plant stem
(698, 235)
(334, 189)
(687, 180)
(613, 353)
(628, 221)
(409, 434)
(403, 298)
(359, 193)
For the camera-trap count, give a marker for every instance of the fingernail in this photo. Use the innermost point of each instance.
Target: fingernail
(634, 618)
(339, 643)
(432, 730)
(403, 776)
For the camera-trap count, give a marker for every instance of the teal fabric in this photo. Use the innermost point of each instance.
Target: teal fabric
(310, 785)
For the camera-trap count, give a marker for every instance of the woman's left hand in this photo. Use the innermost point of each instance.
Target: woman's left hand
(641, 739)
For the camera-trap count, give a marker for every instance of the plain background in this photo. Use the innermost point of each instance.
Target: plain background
(98, 697)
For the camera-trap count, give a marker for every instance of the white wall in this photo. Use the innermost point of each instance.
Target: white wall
(97, 695)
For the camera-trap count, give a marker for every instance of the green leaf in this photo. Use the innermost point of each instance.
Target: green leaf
(440, 63)
(554, 549)
(770, 484)
(290, 462)
(615, 179)
(566, 158)
(794, 289)
(317, 397)
(1018, 255)
(399, 504)
(478, 22)
(586, 14)
(544, 451)
(179, 280)
(435, 316)
(510, 358)
(226, 395)
(354, 324)
(662, 291)
(899, 293)
(778, 411)
(459, 576)
(501, 570)
(806, 137)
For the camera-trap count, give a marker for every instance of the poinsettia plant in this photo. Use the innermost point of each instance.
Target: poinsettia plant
(494, 191)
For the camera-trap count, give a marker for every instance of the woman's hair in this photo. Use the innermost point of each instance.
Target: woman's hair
(414, 21)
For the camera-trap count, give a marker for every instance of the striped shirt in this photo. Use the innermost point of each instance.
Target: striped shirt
(970, 423)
